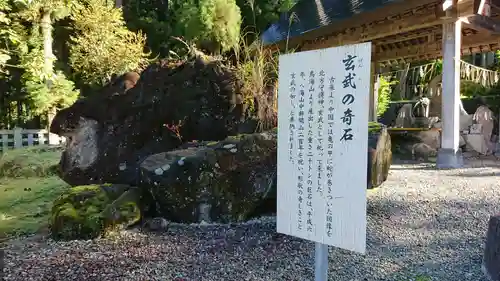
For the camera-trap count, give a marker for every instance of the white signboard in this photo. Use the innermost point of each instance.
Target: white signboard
(323, 107)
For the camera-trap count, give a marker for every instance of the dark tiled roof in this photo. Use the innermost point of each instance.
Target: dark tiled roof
(308, 16)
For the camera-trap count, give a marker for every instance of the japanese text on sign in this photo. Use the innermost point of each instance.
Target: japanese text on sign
(323, 99)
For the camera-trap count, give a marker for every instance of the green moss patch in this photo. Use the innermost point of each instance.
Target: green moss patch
(90, 211)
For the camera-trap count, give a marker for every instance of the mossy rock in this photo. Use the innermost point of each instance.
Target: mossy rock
(379, 154)
(90, 211)
(224, 181)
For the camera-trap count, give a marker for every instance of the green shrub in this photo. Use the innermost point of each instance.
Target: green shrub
(212, 24)
(472, 89)
(258, 70)
(384, 95)
(103, 46)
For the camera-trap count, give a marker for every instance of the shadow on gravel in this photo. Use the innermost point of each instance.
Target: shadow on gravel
(408, 164)
(474, 173)
(428, 167)
(440, 239)
(458, 266)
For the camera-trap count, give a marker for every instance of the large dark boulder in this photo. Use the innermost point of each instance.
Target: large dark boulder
(111, 131)
(234, 179)
(221, 181)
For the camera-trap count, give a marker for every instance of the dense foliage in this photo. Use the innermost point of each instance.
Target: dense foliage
(51, 51)
(8, 36)
(257, 15)
(213, 24)
(102, 46)
(384, 94)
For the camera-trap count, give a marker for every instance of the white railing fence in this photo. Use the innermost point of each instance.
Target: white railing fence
(19, 137)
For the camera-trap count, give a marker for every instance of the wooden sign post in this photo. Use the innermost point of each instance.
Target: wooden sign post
(323, 108)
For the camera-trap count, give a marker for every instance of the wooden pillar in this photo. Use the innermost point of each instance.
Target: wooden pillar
(449, 155)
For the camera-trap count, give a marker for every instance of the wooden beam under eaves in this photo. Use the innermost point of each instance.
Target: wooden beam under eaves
(495, 4)
(426, 16)
(390, 27)
(483, 23)
(426, 32)
(481, 41)
(457, 8)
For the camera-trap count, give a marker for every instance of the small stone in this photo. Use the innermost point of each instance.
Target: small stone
(156, 224)
(229, 146)
(159, 171)
(123, 166)
(165, 167)
(180, 162)
(233, 150)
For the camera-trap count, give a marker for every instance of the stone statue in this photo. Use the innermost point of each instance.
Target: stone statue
(405, 118)
(434, 92)
(421, 108)
(485, 117)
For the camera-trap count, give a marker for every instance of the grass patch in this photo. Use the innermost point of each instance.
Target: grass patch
(28, 186)
(258, 69)
(38, 161)
(26, 203)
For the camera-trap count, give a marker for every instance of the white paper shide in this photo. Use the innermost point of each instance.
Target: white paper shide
(323, 107)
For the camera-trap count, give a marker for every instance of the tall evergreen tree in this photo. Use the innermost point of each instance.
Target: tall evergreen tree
(102, 45)
(48, 89)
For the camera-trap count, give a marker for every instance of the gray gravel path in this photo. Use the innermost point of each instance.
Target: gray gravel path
(422, 222)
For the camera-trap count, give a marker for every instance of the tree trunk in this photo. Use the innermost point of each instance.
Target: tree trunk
(49, 58)
(46, 25)
(162, 10)
(50, 116)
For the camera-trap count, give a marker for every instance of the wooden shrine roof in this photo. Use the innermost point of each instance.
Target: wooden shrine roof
(316, 15)
(401, 30)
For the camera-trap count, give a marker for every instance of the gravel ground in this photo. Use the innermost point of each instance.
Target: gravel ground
(422, 222)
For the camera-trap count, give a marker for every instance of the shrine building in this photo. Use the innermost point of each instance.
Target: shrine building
(401, 31)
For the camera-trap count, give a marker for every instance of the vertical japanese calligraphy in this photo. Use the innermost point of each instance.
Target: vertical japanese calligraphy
(319, 137)
(300, 155)
(348, 98)
(329, 159)
(291, 139)
(310, 151)
(323, 99)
